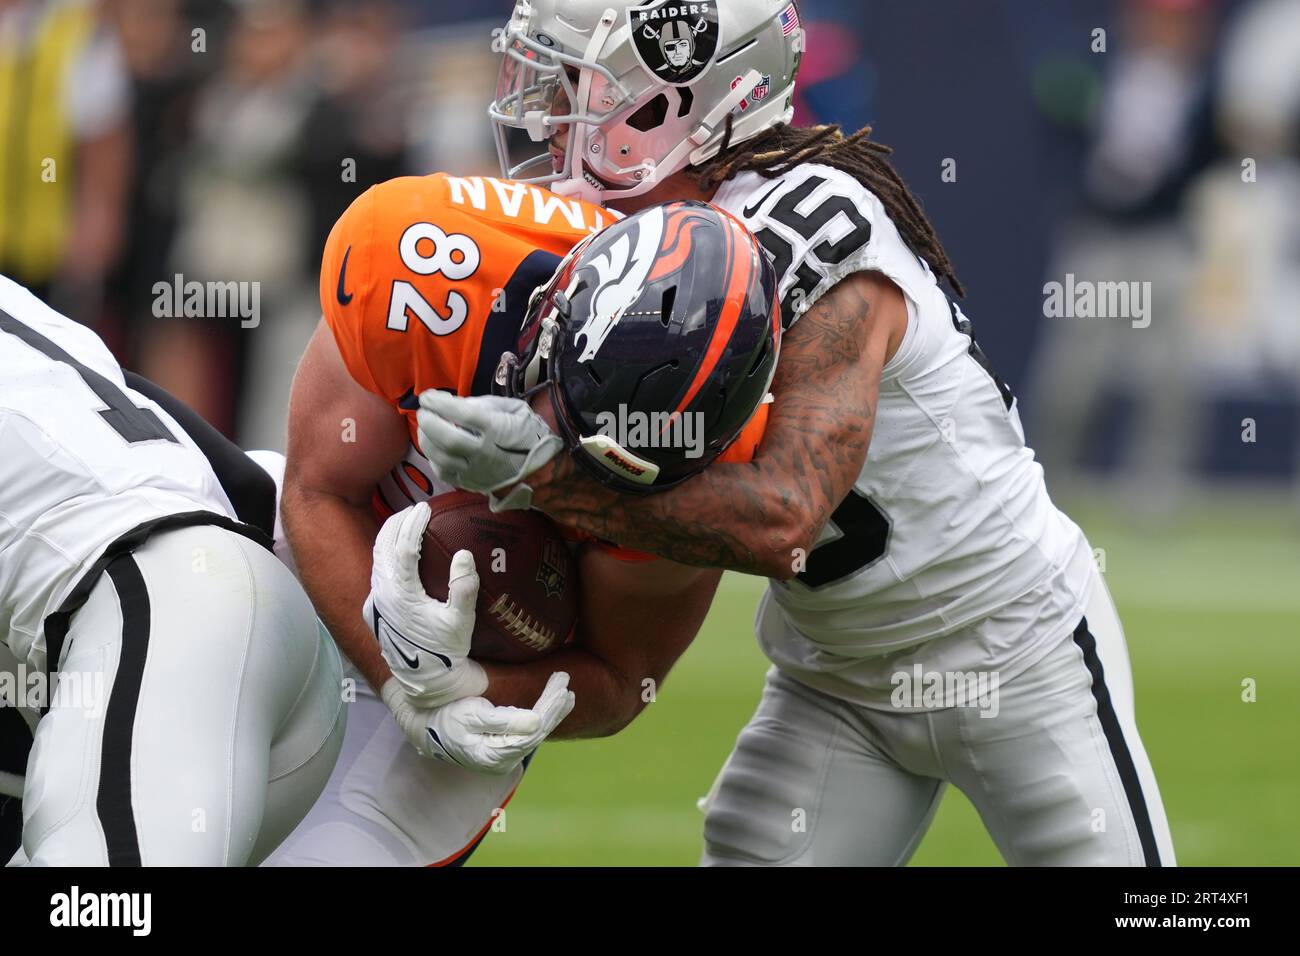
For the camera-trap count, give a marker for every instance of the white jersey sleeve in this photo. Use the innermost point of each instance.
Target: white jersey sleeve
(949, 521)
(819, 225)
(86, 459)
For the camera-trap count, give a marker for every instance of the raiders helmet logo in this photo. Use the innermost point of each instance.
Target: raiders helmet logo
(675, 40)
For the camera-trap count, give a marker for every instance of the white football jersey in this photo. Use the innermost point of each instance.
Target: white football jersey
(950, 520)
(85, 459)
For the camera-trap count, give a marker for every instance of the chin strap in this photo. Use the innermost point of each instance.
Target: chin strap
(715, 118)
(580, 133)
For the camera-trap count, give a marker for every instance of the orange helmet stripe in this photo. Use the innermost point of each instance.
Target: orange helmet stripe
(740, 266)
(677, 244)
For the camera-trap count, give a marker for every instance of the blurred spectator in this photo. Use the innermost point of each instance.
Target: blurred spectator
(306, 109)
(64, 165)
(1154, 132)
(1152, 138)
(165, 72)
(1242, 212)
(352, 134)
(1243, 215)
(244, 215)
(355, 136)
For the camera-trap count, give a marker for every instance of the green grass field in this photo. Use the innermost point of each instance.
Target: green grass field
(1205, 606)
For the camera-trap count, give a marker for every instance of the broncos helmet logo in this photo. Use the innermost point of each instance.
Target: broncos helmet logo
(621, 274)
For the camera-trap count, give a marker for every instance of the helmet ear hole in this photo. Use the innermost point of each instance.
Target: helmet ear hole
(666, 306)
(688, 101)
(650, 116)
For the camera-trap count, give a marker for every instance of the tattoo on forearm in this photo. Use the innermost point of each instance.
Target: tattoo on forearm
(817, 438)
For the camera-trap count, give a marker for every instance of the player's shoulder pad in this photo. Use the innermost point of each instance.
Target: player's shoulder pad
(819, 224)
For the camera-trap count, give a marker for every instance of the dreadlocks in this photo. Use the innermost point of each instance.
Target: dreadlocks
(781, 148)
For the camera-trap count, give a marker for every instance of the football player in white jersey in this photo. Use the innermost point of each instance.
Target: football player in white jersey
(190, 705)
(932, 617)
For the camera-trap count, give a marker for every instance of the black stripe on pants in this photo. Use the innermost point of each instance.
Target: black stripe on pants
(116, 814)
(15, 745)
(1119, 752)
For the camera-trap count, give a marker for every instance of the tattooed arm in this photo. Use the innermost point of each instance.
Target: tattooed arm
(751, 517)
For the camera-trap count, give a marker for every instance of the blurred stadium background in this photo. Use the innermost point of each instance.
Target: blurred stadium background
(216, 139)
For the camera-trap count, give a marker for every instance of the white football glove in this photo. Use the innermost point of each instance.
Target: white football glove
(424, 641)
(476, 734)
(485, 443)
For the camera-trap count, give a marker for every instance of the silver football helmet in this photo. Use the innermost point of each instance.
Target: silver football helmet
(642, 88)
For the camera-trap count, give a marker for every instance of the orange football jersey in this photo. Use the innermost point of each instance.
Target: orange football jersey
(425, 282)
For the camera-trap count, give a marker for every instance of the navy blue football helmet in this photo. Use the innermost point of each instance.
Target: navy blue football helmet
(657, 338)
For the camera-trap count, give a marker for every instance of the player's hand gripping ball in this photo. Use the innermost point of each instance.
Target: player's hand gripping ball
(527, 602)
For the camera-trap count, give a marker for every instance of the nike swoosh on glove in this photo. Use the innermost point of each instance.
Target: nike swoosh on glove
(485, 443)
(476, 734)
(426, 642)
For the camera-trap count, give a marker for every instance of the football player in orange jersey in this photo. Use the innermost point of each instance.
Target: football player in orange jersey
(427, 287)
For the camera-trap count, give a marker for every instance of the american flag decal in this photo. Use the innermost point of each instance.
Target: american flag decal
(789, 20)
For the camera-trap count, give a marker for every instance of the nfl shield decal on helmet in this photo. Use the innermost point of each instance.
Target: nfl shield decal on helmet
(675, 40)
(759, 92)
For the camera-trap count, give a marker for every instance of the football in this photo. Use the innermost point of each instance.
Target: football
(528, 582)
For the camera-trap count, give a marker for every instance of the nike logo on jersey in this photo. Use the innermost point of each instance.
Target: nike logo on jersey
(752, 211)
(344, 296)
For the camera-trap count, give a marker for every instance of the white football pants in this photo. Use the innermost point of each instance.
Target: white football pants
(1059, 775)
(386, 805)
(218, 718)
